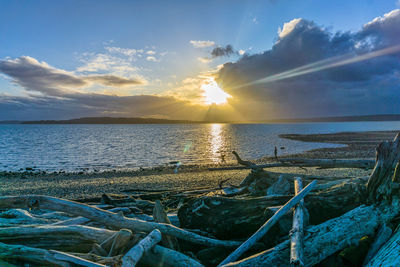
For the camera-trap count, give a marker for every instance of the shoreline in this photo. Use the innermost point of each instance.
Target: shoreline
(78, 185)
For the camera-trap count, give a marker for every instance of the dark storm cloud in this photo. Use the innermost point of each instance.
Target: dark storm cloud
(363, 87)
(221, 51)
(39, 76)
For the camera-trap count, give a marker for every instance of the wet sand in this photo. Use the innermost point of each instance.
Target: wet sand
(74, 185)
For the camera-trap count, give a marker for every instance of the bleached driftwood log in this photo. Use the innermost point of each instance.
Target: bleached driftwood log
(161, 216)
(133, 256)
(381, 237)
(303, 162)
(161, 256)
(82, 220)
(107, 218)
(297, 232)
(264, 229)
(65, 238)
(42, 256)
(388, 254)
(331, 236)
(16, 217)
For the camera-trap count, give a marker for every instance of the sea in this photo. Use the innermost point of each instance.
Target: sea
(98, 147)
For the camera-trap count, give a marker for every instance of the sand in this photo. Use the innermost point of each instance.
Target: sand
(74, 185)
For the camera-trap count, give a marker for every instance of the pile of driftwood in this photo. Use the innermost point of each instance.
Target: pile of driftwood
(268, 220)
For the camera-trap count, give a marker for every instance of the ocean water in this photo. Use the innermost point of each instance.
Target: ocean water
(106, 147)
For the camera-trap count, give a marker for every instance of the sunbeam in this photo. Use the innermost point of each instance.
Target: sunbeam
(324, 64)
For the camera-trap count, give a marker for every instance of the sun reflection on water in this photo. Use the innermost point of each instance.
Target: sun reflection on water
(217, 142)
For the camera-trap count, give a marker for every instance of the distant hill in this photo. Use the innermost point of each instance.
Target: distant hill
(109, 120)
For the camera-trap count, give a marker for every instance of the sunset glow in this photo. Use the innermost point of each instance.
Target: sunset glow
(213, 94)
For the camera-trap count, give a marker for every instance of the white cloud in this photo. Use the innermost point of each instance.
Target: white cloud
(150, 52)
(103, 62)
(288, 27)
(242, 52)
(202, 44)
(255, 21)
(125, 51)
(151, 58)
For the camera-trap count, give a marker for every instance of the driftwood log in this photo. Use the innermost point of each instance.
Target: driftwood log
(161, 256)
(107, 218)
(161, 216)
(267, 226)
(65, 238)
(42, 256)
(336, 234)
(297, 232)
(388, 254)
(133, 256)
(381, 237)
(303, 162)
(238, 218)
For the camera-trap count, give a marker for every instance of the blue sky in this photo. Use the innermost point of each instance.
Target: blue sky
(149, 42)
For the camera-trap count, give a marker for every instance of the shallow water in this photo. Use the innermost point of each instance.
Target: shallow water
(104, 147)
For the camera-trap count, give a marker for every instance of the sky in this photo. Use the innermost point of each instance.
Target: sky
(222, 60)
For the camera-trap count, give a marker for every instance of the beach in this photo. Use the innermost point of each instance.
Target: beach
(81, 185)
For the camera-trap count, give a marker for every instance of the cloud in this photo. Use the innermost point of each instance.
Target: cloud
(41, 77)
(362, 87)
(222, 51)
(150, 52)
(125, 51)
(61, 95)
(241, 52)
(151, 58)
(288, 27)
(112, 80)
(202, 44)
(204, 59)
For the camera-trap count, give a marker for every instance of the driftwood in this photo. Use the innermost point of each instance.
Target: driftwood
(388, 254)
(297, 232)
(327, 238)
(42, 256)
(381, 237)
(264, 229)
(303, 162)
(331, 236)
(228, 218)
(133, 256)
(161, 216)
(107, 218)
(65, 238)
(117, 243)
(161, 256)
(82, 220)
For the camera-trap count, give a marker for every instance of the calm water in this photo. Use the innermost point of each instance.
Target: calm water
(102, 147)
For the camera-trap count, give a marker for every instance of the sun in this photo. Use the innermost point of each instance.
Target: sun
(213, 94)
